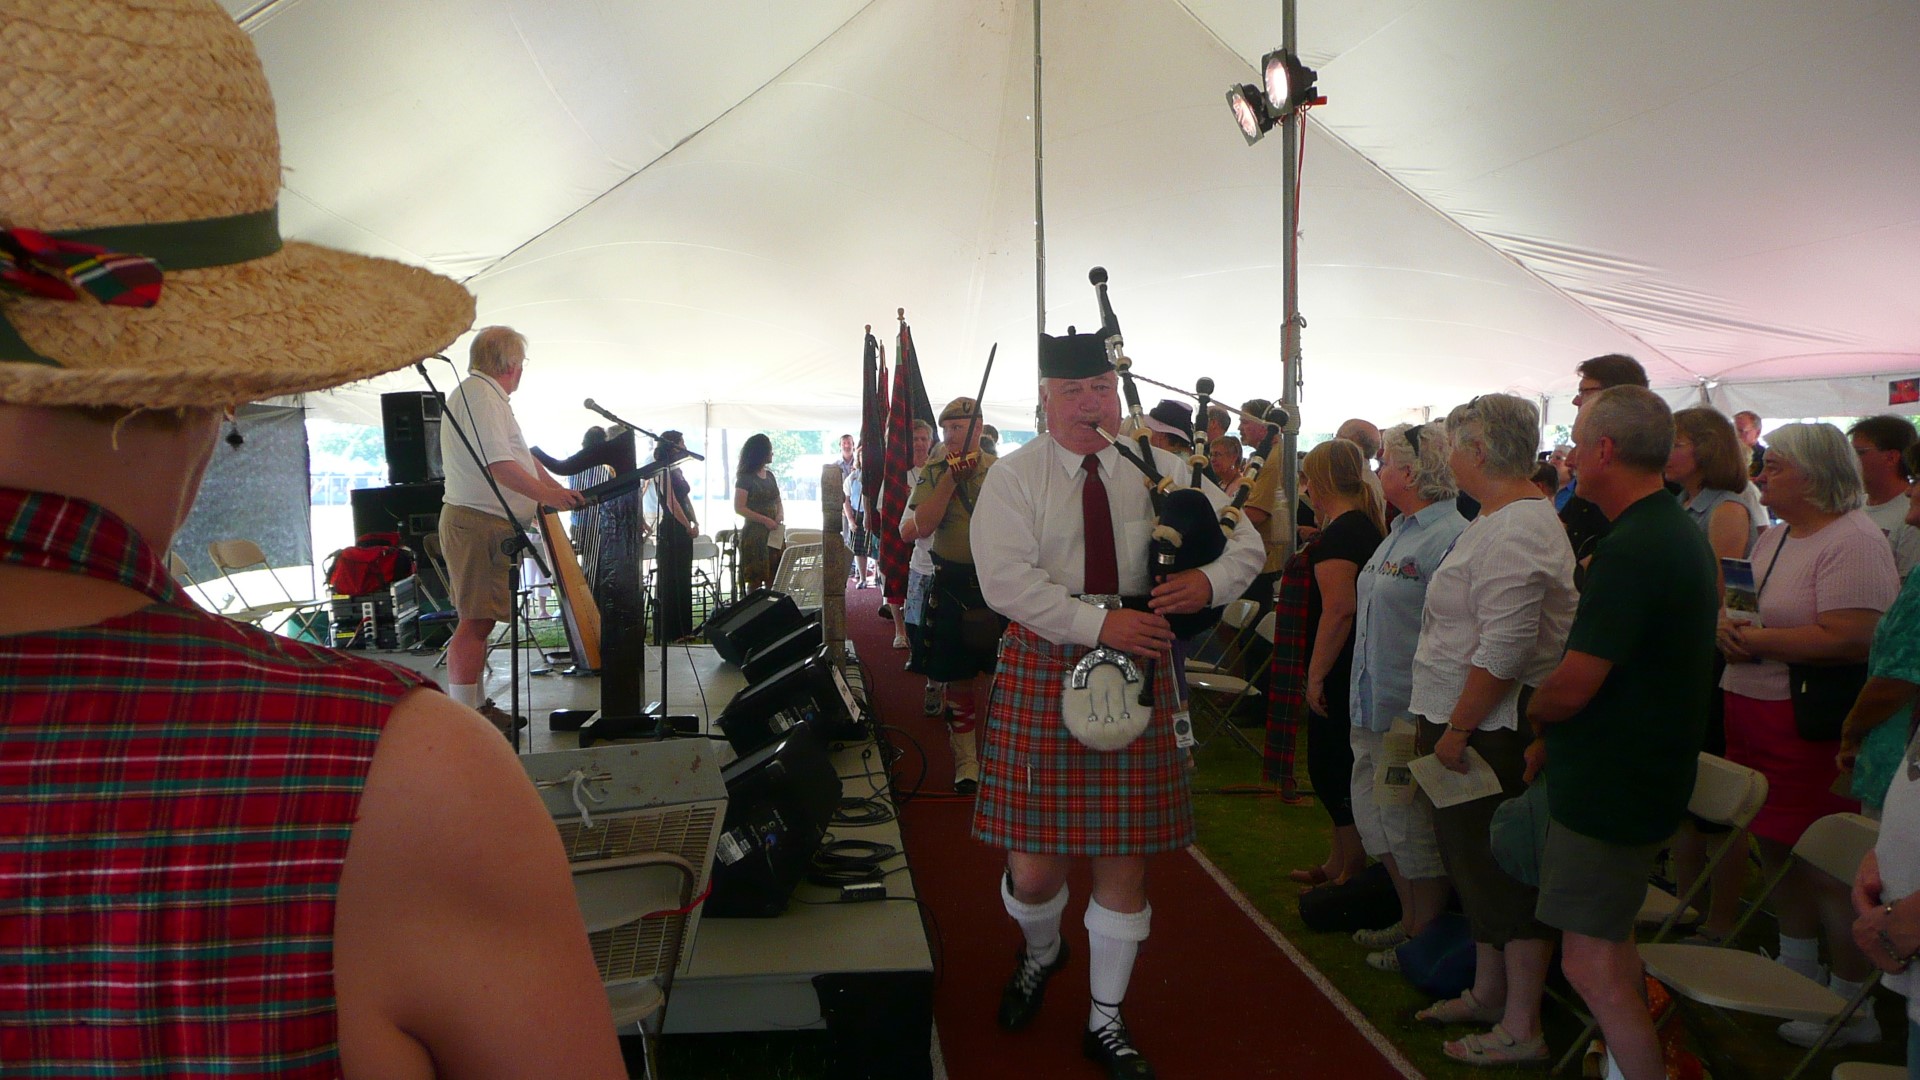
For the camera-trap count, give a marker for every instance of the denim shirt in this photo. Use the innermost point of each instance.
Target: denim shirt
(1392, 590)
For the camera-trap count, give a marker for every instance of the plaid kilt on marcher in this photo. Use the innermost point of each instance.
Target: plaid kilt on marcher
(1042, 792)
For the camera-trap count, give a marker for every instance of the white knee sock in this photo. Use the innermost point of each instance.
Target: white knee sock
(1113, 940)
(467, 694)
(1801, 955)
(1039, 922)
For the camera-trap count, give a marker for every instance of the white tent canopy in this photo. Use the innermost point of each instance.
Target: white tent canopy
(692, 210)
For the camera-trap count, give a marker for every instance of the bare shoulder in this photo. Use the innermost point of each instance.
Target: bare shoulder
(456, 910)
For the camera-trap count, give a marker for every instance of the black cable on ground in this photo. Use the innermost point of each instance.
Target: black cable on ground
(849, 862)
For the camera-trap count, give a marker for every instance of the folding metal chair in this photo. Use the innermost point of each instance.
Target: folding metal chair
(1750, 982)
(1219, 696)
(636, 909)
(233, 557)
(1725, 794)
(1237, 619)
(183, 575)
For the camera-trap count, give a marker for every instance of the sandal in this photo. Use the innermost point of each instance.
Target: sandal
(1465, 1009)
(1497, 1047)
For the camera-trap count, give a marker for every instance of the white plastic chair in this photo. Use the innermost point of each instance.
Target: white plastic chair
(1750, 982)
(1861, 1070)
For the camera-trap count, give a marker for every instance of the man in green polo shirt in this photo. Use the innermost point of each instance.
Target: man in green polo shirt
(1624, 715)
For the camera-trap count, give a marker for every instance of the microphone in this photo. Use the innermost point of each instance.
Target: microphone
(595, 407)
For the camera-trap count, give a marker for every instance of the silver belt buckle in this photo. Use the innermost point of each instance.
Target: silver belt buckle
(1103, 601)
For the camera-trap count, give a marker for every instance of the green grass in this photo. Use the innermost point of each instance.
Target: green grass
(1255, 839)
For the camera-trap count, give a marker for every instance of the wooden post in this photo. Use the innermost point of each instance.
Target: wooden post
(835, 563)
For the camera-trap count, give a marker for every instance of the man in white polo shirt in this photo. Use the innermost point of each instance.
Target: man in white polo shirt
(472, 530)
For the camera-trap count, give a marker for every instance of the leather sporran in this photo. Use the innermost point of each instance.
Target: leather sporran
(1100, 701)
(980, 629)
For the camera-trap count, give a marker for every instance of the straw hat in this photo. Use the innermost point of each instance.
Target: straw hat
(146, 127)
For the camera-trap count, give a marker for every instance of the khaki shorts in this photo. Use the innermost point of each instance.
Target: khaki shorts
(471, 541)
(1592, 887)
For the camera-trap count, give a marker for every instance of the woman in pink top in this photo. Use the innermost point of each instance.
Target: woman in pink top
(1824, 580)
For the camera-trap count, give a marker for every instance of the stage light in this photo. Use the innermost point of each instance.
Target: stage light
(1289, 83)
(1286, 87)
(1249, 111)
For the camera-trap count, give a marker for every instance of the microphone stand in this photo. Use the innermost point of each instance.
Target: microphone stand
(512, 548)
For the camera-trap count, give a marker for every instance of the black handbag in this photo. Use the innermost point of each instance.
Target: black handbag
(1822, 695)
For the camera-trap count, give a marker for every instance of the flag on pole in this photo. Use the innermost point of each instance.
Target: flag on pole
(908, 391)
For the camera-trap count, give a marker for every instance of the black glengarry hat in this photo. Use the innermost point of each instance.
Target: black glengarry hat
(1074, 356)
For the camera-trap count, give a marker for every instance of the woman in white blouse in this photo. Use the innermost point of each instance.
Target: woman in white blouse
(1497, 613)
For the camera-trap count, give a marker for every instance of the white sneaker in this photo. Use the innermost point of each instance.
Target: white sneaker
(1384, 938)
(1384, 960)
(1862, 1029)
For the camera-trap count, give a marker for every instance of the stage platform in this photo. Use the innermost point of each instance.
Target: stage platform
(867, 963)
(699, 684)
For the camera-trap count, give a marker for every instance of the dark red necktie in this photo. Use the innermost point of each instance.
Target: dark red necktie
(1103, 570)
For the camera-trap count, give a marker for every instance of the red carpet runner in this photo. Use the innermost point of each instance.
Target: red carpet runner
(1211, 997)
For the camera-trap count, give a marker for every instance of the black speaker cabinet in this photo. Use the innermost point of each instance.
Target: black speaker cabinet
(789, 648)
(760, 617)
(807, 695)
(780, 801)
(413, 511)
(411, 420)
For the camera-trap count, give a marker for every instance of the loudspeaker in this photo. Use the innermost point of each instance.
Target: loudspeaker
(807, 696)
(760, 617)
(411, 420)
(413, 511)
(789, 648)
(780, 801)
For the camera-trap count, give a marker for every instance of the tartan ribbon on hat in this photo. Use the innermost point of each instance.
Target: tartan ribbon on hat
(36, 264)
(121, 265)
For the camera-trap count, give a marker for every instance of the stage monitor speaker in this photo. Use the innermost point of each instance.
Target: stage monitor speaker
(411, 420)
(809, 696)
(755, 619)
(413, 511)
(780, 801)
(789, 648)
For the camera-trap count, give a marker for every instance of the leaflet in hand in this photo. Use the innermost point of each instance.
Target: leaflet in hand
(1448, 788)
(1741, 602)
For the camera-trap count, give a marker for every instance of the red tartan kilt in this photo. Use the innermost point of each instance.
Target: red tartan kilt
(1043, 792)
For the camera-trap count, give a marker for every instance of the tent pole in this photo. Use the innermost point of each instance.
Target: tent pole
(1039, 221)
(1290, 300)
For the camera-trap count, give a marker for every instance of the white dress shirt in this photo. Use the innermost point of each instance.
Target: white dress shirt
(1030, 551)
(1502, 600)
(479, 405)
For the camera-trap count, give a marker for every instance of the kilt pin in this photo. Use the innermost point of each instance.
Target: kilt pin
(1043, 792)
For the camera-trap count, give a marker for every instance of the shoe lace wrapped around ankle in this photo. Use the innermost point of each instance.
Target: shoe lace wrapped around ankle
(1114, 1038)
(1031, 974)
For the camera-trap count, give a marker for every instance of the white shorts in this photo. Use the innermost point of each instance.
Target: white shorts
(1405, 832)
